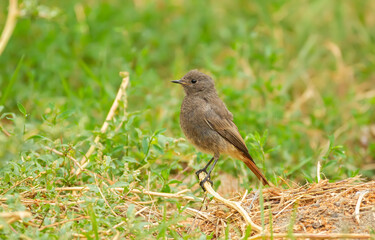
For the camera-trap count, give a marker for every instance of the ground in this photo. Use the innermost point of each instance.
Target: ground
(298, 77)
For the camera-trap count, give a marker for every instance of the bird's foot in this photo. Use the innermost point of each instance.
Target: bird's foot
(206, 179)
(199, 171)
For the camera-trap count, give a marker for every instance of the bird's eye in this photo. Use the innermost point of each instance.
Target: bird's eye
(193, 81)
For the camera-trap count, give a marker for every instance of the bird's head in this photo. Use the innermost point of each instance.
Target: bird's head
(195, 82)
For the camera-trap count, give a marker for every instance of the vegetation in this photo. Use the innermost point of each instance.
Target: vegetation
(297, 75)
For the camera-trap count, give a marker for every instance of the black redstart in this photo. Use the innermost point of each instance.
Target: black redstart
(208, 124)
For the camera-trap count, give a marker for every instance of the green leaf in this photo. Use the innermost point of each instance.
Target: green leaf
(9, 116)
(145, 143)
(22, 109)
(130, 211)
(11, 82)
(93, 221)
(299, 166)
(174, 181)
(130, 159)
(65, 114)
(90, 73)
(330, 163)
(264, 138)
(160, 131)
(93, 187)
(158, 148)
(166, 189)
(165, 173)
(119, 185)
(37, 136)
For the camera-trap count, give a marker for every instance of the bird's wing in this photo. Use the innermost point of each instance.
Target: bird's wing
(222, 122)
(227, 129)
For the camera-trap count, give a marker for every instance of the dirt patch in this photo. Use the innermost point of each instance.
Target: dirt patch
(322, 207)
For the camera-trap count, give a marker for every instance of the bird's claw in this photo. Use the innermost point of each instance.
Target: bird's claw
(199, 171)
(206, 179)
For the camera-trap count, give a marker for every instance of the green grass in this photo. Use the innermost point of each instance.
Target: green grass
(297, 75)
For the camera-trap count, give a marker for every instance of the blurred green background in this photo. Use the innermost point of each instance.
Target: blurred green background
(297, 75)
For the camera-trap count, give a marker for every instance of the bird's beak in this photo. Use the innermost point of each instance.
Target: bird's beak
(178, 81)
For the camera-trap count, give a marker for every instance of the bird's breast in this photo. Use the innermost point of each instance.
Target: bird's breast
(196, 129)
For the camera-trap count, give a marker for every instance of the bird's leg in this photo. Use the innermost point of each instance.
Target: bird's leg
(208, 177)
(212, 167)
(205, 168)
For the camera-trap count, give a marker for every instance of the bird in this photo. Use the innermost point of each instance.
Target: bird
(208, 124)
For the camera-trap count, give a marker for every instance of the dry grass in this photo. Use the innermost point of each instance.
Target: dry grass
(346, 206)
(318, 210)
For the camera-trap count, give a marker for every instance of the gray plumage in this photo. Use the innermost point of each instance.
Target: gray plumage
(208, 124)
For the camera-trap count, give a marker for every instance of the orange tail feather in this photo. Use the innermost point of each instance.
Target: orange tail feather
(250, 164)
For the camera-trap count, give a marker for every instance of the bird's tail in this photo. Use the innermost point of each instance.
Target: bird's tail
(250, 164)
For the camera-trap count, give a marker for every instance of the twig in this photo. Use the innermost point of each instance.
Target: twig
(116, 226)
(117, 236)
(77, 163)
(195, 211)
(63, 222)
(24, 180)
(291, 202)
(196, 215)
(312, 236)
(358, 205)
(111, 113)
(140, 211)
(9, 25)
(365, 95)
(282, 179)
(58, 189)
(105, 200)
(159, 194)
(166, 195)
(318, 171)
(5, 131)
(38, 201)
(11, 217)
(64, 155)
(255, 197)
(244, 196)
(232, 204)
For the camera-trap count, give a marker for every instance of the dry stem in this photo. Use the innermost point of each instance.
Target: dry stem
(166, 195)
(235, 205)
(77, 163)
(9, 25)
(11, 217)
(318, 171)
(63, 222)
(65, 155)
(15, 215)
(358, 205)
(159, 194)
(4, 131)
(111, 113)
(311, 236)
(24, 180)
